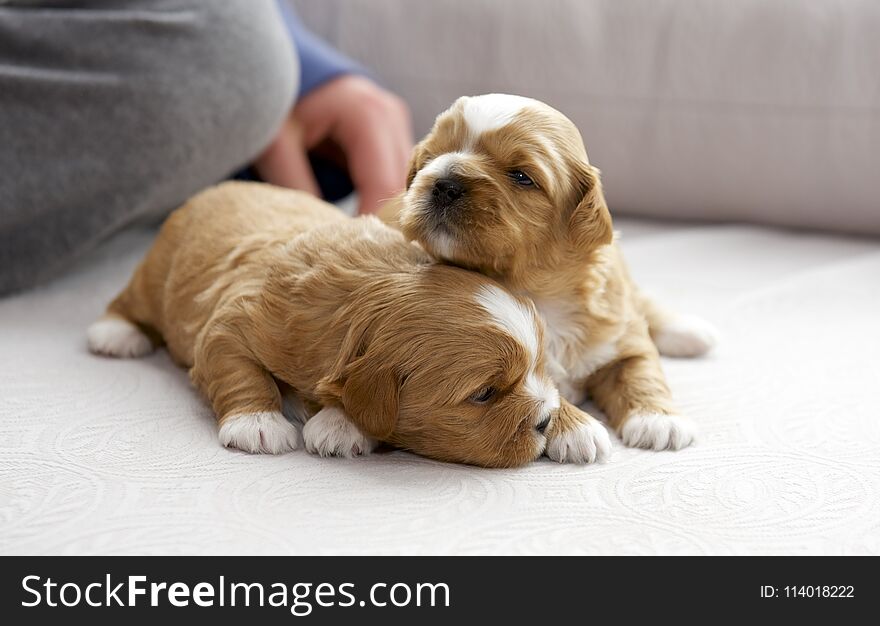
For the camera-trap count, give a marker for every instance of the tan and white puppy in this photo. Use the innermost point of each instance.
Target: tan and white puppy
(502, 185)
(263, 291)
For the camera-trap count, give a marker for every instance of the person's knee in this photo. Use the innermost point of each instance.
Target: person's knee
(186, 92)
(223, 102)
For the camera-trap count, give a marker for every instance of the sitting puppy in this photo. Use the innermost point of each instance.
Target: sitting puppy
(262, 290)
(502, 185)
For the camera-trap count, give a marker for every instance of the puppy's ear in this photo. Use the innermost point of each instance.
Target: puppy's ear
(366, 389)
(369, 396)
(590, 222)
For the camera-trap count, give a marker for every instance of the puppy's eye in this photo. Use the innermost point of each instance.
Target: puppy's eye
(520, 178)
(483, 395)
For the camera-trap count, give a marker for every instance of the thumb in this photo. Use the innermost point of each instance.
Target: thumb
(286, 163)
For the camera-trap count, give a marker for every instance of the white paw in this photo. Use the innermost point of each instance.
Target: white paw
(114, 336)
(656, 431)
(685, 336)
(330, 432)
(587, 443)
(265, 432)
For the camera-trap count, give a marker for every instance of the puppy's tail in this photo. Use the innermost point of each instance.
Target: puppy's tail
(678, 335)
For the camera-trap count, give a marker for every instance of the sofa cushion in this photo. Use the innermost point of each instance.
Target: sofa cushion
(742, 110)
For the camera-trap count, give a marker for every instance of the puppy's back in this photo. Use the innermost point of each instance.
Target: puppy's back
(217, 245)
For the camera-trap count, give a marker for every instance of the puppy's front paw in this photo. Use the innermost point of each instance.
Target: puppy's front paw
(656, 431)
(583, 442)
(685, 336)
(331, 433)
(265, 432)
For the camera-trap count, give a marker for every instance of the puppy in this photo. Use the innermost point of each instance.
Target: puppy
(502, 185)
(262, 291)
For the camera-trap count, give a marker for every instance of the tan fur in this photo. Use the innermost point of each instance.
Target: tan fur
(552, 241)
(253, 286)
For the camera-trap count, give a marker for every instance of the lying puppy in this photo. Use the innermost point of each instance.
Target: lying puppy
(502, 185)
(261, 290)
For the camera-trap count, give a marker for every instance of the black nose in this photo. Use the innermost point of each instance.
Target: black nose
(447, 190)
(542, 426)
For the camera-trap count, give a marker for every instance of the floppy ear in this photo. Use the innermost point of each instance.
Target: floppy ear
(365, 388)
(369, 396)
(590, 222)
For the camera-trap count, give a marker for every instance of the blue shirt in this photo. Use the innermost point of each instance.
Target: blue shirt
(319, 62)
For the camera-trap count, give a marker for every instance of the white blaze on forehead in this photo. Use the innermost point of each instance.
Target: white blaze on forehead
(510, 315)
(441, 166)
(496, 110)
(545, 391)
(514, 317)
(482, 114)
(492, 111)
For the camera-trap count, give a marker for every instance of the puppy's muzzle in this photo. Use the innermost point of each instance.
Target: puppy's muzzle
(446, 191)
(543, 424)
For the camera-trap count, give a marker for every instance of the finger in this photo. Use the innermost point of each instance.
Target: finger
(286, 163)
(378, 173)
(378, 156)
(372, 128)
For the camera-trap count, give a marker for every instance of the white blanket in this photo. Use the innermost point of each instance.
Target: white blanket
(118, 457)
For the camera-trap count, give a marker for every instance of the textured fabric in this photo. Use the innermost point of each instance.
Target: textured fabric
(742, 109)
(114, 456)
(114, 110)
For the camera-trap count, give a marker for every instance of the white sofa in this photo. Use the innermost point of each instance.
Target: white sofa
(107, 456)
(743, 109)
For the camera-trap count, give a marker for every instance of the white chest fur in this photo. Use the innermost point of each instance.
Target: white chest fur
(572, 354)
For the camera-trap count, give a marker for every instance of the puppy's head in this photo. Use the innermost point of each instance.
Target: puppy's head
(502, 182)
(454, 371)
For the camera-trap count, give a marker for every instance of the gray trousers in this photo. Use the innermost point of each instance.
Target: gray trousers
(116, 111)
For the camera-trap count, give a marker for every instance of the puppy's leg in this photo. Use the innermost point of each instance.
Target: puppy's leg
(574, 436)
(327, 431)
(634, 395)
(244, 396)
(330, 432)
(678, 335)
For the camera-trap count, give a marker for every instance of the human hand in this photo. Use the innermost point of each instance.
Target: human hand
(369, 129)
